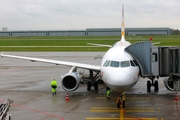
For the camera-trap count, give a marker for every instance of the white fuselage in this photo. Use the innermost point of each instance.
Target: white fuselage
(119, 71)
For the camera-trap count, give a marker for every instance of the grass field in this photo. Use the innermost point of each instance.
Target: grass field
(75, 43)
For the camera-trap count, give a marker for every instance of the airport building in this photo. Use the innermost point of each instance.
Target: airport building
(129, 31)
(91, 32)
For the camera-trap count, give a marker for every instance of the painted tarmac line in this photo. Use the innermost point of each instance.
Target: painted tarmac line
(115, 108)
(137, 98)
(39, 111)
(102, 107)
(137, 110)
(121, 114)
(122, 119)
(14, 69)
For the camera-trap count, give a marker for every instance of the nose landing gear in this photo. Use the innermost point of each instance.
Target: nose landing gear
(121, 101)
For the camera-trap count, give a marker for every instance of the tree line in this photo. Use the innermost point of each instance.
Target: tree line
(176, 32)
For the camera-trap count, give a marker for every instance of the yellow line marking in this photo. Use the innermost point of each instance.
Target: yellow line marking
(136, 98)
(126, 110)
(115, 108)
(102, 118)
(104, 110)
(104, 107)
(120, 119)
(159, 110)
(121, 114)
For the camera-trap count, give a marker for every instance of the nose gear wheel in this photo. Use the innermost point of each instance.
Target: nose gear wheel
(121, 101)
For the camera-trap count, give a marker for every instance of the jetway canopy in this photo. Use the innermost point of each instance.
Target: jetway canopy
(170, 60)
(141, 52)
(155, 61)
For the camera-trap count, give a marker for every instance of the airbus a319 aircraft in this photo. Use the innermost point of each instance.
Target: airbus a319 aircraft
(118, 70)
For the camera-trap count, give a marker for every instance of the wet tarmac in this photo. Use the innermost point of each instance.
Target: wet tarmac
(28, 85)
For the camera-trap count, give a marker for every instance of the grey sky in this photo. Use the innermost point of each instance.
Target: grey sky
(82, 14)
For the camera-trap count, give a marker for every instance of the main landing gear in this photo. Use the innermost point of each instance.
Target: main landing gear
(93, 81)
(90, 84)
(152, 83)
(121, 101)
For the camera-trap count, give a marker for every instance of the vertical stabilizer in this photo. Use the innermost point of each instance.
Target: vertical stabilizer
(122, 25)
(123, 41)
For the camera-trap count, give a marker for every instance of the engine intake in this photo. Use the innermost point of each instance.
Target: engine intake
(169, 83)
(71, 81)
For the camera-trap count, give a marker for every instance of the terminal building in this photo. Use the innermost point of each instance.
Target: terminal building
(91, 32)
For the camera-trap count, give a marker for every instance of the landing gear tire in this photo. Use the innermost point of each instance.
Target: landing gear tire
(123, 104)
(96, 85)
(88, 85)
(118, 104)
(9, 117)
(156, 86)
(148, 86)
(121, 101)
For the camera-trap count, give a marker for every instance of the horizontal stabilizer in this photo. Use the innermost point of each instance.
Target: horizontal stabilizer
(156, 43)
(100, 45)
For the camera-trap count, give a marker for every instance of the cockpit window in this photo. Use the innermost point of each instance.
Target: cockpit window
(106, 64)
(132, 63)
(135, 62)
(114, 64)
(117, 64)
(125, 64)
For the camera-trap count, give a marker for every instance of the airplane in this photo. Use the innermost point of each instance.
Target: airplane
(118, 70)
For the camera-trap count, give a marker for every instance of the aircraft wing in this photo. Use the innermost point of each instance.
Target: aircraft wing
(56, 62)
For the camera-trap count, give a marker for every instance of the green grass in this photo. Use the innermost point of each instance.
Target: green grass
(5, 42)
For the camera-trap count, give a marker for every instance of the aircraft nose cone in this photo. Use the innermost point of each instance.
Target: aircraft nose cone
(119, 78)
(119, 81)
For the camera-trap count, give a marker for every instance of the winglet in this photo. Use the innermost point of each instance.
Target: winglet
(100, 45)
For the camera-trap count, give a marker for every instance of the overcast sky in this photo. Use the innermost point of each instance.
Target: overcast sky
(82, 14)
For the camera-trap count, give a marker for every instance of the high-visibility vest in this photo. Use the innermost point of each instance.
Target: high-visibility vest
(54, 83)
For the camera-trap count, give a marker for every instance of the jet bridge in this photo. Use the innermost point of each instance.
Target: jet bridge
(155, 62)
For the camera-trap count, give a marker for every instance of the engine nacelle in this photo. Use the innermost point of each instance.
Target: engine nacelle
(71, 81)
(169, 83)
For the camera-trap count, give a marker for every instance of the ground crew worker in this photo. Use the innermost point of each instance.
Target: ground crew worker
(108, 92)
(53, 86)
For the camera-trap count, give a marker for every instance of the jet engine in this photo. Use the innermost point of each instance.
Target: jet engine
(169, 83)
(71, 81)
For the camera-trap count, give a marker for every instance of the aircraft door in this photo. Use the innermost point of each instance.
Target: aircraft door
(155, 61)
